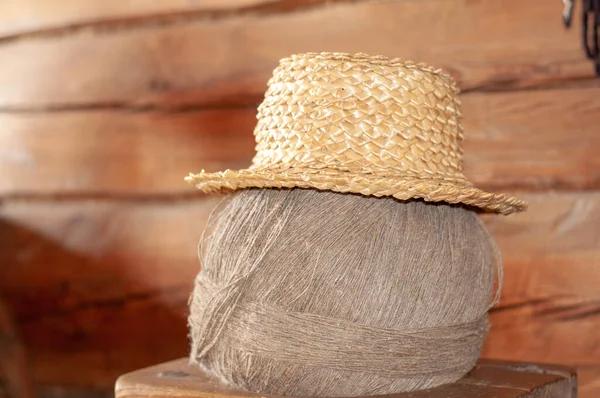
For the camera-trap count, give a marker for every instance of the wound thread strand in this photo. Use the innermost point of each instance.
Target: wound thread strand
(314, 293)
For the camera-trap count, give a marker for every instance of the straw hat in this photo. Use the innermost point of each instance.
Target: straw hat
(361, 124)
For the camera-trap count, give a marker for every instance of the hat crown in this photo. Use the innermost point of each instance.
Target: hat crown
(362, 114)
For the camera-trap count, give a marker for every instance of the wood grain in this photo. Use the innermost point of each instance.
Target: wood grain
(510, 143)
(533, 140)
(589, 382)
(99, 288)
(111, 103)
(105, 283)
(54, 391)
(18, 17)
(485, 44)
(550, 310)
(14, 369)
(488, 379)
(117, 152)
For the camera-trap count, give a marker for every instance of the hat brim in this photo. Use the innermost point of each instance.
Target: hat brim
(403, 188)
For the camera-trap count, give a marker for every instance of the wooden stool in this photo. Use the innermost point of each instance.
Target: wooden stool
(490, 378)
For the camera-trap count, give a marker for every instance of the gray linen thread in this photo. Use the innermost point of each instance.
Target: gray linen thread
(304, 292)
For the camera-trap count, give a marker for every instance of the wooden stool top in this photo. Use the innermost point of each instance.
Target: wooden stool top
(490, 378)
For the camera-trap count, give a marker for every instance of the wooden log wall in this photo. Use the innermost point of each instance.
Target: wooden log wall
(105, 106)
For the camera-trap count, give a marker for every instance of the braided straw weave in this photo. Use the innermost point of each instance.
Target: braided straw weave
(362, 124)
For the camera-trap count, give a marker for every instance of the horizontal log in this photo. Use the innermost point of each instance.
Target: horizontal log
(551, 301)
(18, 17)
(117, 152)
(552, 247)
(100, 288)
(589, 382)
(14, 369)
(533, 139)
(65, 392)
(484, 44)
(527, 139)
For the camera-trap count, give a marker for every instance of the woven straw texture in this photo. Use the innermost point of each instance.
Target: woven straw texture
(361, 124)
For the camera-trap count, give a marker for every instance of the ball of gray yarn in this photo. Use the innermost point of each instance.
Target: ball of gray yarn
(316, 293)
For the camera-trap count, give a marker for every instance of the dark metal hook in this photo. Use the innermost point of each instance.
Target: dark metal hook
(590, 28)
